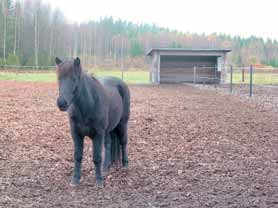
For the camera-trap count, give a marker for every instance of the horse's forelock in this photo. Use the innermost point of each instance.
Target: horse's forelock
(65, 68)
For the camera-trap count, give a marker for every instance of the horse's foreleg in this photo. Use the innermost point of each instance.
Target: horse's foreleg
(107, 158)
(78, 154)
(97, 148)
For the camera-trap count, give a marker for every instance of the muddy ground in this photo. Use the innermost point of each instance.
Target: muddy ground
(265, 96)
(187, 148)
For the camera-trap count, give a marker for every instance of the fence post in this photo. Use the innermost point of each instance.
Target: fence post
(194, 75)
(231, 79)
(243, 74)
(215, 72)
(251, 81)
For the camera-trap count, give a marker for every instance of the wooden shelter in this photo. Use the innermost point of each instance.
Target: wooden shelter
(177, 65)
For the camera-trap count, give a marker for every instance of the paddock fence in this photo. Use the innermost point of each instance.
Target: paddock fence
(47, 73)
(246, 81)
(251, 82)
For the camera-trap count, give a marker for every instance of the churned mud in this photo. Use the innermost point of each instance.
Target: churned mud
(187, 147)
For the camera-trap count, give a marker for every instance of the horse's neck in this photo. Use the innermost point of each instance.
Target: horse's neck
(94, 87)
(91, 95)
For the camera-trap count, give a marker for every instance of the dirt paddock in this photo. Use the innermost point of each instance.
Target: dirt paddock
(187, 148)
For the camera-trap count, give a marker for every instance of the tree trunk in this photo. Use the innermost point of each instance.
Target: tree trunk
(122, 53)
(15, 30)
(20, 31)
(36, 40)
(5, 13)
(91, 45)
(95, 46)
(75, 45)
(50, 44)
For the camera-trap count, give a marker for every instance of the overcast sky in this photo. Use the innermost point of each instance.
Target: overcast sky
(235, 17)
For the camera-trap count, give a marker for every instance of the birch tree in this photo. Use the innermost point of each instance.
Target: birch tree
(36, 34)
(5, 17)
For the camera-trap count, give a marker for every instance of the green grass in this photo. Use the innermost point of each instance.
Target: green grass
(129, 76)
(29, 77)
(258, 78)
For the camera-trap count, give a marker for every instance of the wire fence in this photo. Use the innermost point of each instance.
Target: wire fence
(236, 79)
(7, 67)
(242, 80)
(251, 80)
(256, 83)
(206, 75)
(260, 84)
(47, 74)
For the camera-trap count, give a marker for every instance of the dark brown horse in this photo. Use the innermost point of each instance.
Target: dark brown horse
(98, 109)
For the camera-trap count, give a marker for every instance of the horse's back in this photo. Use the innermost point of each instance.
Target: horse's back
(122, 89)
(112, 81)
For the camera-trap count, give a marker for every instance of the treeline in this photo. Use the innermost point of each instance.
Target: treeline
(32, 34)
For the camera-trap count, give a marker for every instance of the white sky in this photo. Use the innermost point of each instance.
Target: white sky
(235, 17)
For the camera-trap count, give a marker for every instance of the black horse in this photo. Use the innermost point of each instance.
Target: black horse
(98, 109)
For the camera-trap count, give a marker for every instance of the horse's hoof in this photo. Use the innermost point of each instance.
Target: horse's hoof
(100, 184)
(75, 182)
(105, 173)
(125, 166)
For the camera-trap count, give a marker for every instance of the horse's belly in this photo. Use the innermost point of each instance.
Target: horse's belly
(115, 112)
(84, 130)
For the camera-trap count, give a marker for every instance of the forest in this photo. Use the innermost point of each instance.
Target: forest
(32, 34)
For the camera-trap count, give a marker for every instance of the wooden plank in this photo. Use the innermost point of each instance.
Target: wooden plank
(176, 75)
(188, 62)
(187, 65)
(176, 69)
(186, 79)
(191, 53)
(188, 72)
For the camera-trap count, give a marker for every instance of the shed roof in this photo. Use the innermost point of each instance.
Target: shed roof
(187, 50)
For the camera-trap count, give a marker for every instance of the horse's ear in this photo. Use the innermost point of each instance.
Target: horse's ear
(58, 61)
(77, 62)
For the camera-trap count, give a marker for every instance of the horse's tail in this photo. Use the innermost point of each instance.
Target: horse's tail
(125, 94)
(115, 140)
(115, 147)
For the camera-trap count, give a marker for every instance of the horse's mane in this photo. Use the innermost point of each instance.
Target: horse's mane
(94, 78)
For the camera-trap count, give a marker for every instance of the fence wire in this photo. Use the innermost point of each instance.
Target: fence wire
(48, 74)
(260, 84)
(249, 81)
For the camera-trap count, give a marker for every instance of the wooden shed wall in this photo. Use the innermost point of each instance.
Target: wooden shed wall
(175, 69)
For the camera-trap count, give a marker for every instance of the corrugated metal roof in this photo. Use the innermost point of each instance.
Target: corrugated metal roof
(188, 50)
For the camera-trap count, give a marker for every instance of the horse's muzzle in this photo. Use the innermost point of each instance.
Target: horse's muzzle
(62, 104)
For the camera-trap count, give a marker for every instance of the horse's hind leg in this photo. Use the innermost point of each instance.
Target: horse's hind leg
(97, 147)
(115, 147)
(107, 156)
(123, 137)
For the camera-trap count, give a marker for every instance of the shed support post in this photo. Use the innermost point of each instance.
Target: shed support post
(231, 79)
(243, 74)
(251, 81)
(194, 75)
(122, 75)
(215, 73)
(158, 69)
